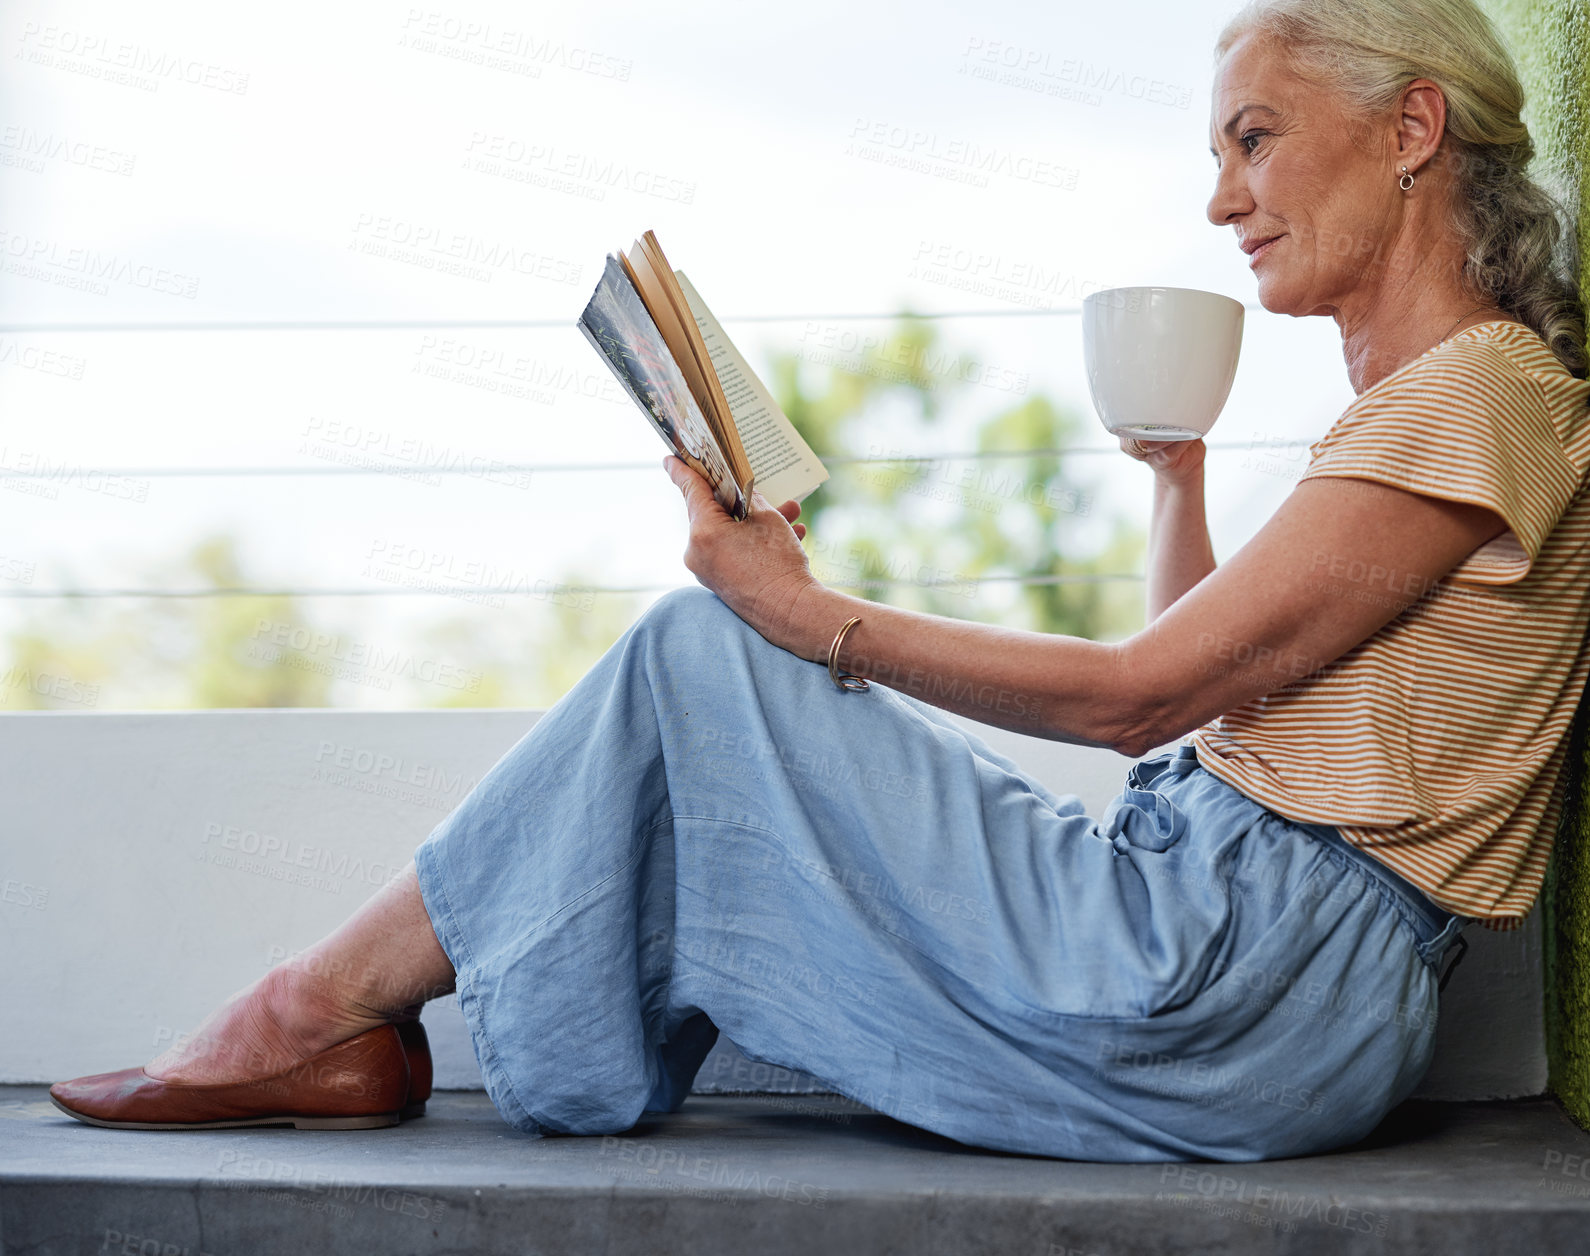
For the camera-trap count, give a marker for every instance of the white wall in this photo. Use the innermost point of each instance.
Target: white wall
(128, 910)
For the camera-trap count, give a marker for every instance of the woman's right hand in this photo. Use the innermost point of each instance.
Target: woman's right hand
(1173, 461)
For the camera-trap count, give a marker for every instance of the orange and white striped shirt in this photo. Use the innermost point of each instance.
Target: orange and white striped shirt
(1437, 744)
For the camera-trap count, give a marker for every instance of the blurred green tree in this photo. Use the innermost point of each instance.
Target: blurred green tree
(176, 653)
(949, 535)
(279, 651)
(943, 534)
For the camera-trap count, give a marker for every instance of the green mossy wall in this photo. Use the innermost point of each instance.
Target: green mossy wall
(1551, 39)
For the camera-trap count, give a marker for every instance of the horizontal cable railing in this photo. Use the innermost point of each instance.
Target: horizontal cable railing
(547, 590)
(402, 470)
(514, 324)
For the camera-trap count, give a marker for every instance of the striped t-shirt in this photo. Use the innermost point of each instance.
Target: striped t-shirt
(1437, 744)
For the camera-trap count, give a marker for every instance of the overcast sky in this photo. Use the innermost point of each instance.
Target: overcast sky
(187, 163)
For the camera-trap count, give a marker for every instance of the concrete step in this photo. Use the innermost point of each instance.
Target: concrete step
(771, 1175)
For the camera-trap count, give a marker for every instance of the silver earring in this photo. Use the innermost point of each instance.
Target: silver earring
(1406, 182)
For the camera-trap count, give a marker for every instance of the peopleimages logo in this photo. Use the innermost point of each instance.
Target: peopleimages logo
(234, 1165)
(829, 344)
(117, 61)
(44, 361)
(563, 170)
(666, 1163)
(1203, 1083)
(472, 580)
(1075, 78)
(33, 148)
(282, 859)
(363, 656)
(434, 247)
(496, 48)
(38, 475)
(409, 457)
(953, 157)
(519, 376)
(1022, 281)
(35, 257)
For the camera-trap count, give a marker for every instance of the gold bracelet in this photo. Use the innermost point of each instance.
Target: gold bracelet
(844, 679)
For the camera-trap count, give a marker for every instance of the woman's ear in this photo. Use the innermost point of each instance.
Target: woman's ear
(1421, 124)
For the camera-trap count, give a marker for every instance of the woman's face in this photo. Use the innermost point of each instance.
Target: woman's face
(1314, 211)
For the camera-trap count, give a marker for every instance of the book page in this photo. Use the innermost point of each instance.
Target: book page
(784, 463)
(714, 403)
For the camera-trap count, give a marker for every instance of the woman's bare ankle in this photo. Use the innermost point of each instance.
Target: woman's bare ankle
(284, 1018)
(314, 1011)
(379, 966)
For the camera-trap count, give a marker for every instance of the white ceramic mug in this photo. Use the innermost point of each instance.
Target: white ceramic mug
(1160, 360)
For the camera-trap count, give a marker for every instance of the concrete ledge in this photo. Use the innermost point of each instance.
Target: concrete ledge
(774, 1176)
(153, 864)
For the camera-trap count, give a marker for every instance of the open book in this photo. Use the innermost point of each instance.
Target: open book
(655, 333)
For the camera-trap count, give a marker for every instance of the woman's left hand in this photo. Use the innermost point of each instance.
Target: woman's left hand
(757, 567)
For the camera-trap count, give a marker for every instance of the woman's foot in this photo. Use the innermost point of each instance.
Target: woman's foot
(364, 1082)
(284, 1018)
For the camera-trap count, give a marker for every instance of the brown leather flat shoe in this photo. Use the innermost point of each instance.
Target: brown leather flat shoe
(362, 1083)
(418, 1049)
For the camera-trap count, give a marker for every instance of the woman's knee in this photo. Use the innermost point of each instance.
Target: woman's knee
(693, 611)
(692, 637)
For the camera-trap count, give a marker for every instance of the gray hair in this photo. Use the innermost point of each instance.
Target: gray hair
(1517, 240)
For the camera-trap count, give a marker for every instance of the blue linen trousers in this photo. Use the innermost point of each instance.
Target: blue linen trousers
(705, 835)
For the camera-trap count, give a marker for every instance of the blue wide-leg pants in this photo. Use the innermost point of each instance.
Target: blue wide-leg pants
(705, 836)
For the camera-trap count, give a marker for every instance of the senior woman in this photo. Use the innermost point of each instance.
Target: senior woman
(1241, 958)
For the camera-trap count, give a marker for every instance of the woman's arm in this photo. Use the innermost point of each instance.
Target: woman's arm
(1339, 558)
(1179, 553)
